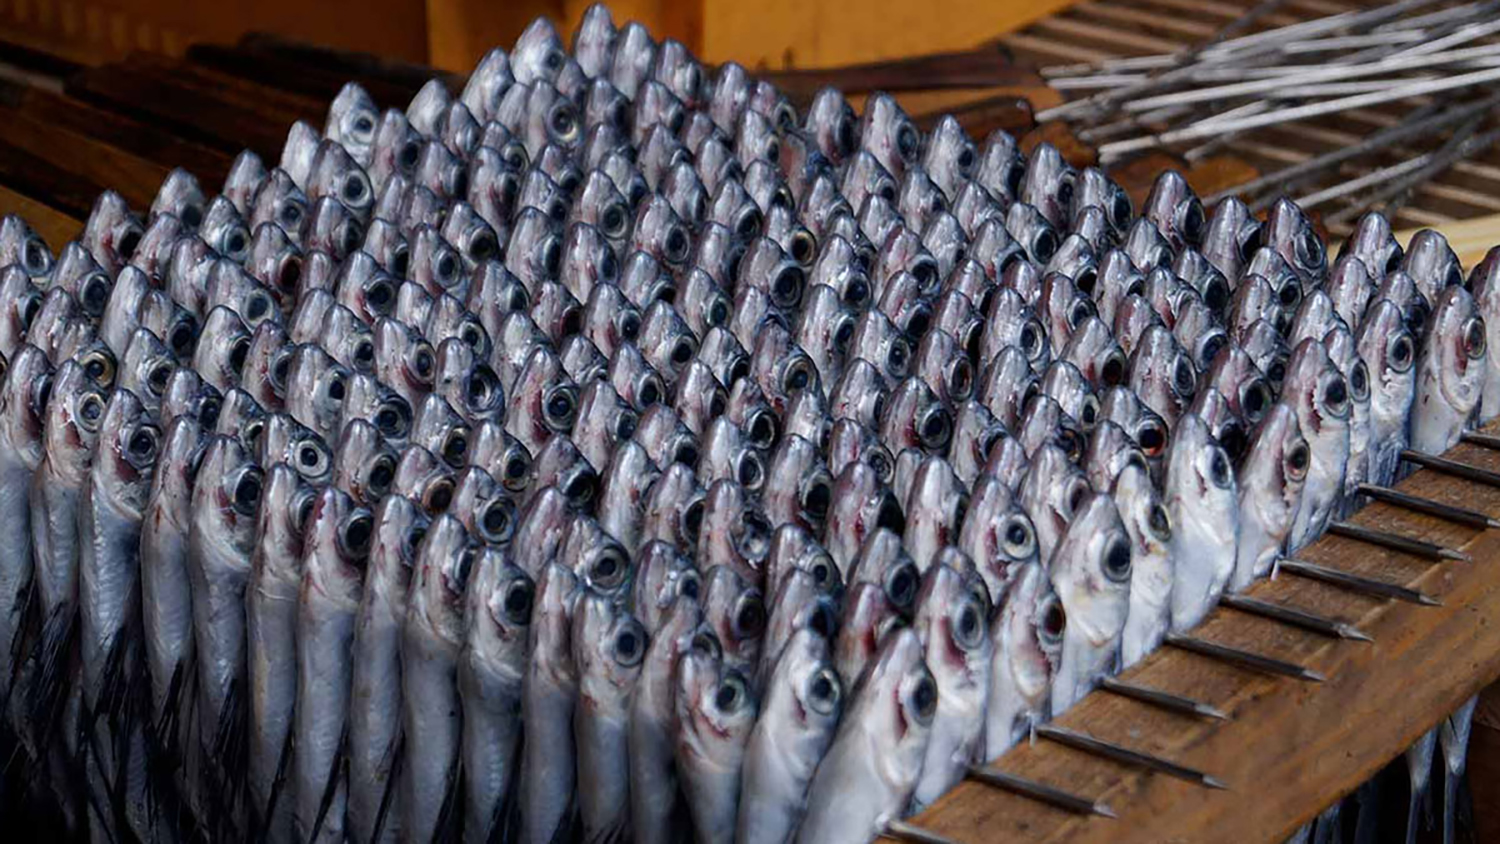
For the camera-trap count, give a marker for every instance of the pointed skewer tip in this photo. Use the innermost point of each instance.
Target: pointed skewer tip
(1101, 808)
(1349, 631)
(1451, 554)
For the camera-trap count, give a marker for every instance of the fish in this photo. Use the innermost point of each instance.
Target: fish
(498, 607)
(336, 549)
(375, 709)
(271, 629)
(1202, 504)
(1450, 372)
(1390, 350)
(549, 695)
(609, 647)
(797, 720)
(1276, 465)
(26, 392)
(221, 538)
(1027, 632)
(952, 622)
(431, 641)
(715, 712)
(1091, 573)
(871, 769)
(1320, 394)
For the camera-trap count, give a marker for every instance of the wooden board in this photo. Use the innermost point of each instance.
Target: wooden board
(1292, 748)
(50, 224)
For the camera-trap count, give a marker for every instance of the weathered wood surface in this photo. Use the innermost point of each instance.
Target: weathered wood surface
(1291, 748)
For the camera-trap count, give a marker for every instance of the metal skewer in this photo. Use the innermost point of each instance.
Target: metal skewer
(1477, 474)
(1355, 582)
(1479, 438)
(1453, 513)
(1294, 617)
(1396, 542)
(1243, 658)
(1037, 791)
(1165, 700)
(1125, 755)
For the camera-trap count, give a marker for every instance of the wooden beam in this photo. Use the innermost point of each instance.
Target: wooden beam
(51, 225)
(1471, 239)
(1291, 748)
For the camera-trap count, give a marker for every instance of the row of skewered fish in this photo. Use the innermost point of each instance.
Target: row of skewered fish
(614, 452)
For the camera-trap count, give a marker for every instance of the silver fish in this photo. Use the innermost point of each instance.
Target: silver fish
(549, 694)
(432, 637)
(1450, 372)
(27, 389)
(952, 620)
(1027, 631)
(1203, 505)
(798, 718)
(375, 709)
(609, 646)
(1319, 393)
(1387, 346)
(715, 713)
(1090, 571)
(491, 665)
(271, 631)
(1149, 525)
(335, 551)
(1271, 480)
(871, 769)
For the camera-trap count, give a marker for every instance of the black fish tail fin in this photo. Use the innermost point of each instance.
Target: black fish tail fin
(46, 694)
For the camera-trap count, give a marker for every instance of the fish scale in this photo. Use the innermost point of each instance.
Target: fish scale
(897, 344)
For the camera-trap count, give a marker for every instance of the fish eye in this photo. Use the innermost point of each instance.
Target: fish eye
(463, 567)
(143, 444)
(629, 324)
(749, 472)
(902, 583)
(99, 365)
(1117, 561)
(897, 358)
(907, 141)
(423, 362)
(93, 294)
(750, 616)
(798, 375)
(355, 190)
(279, 370)
(960, 379)
(816, 500)
(630, 645)
(936, 429)
(1020, 540)
(1474, 339)
(1254, 400)
(1336, 396)
(1113, 372)
(564, 124)
(877, 460)
(516, 468)
(1120, 210)
(845, 137)
(37, 259)
(438, 495)
(1192, 221)
(1044, 245)
(968, 627)
(1088, 411)
(923, 700)
(158, 378)
(1310, 252)
(824, 691)
(610, 569)
(291, 216)
(731, 694)
(581, 487)
(312, 459)
(1359, 381)
(1159, 522)
(31, 305)
(1077, 496)
(1184, 379)
(382, 474)
(357, 534)
(393, 418)
(497, 522)
(238, 351)
(1297, 460)
(1291, 294)
(400, 260)
(625, 425)
(247, 488)
(520, 594)
(1087, 279)
(1212, 345)
(1031, 339)
(786, 288)
(1218, 468)
(560, 408)
(856, 292)
(363, 356)
(1400, 354)
(363, 126)
(208, 411)
(675, 245)
(455, 447)
(1053, 621)
(613, 221)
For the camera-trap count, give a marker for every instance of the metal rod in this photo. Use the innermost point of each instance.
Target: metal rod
(1396, 542)
(1125, 755)
(1369, 179)
(1450, 512)
(1295, 617)
(1164, 700)
(909, 832)
(1314, 73)
(1447, 466)
(1480, 438)
(1406, 130)
(1355, 582)
(1243, 658)
(1462, 144)
(1211, 126)
(1037, 791)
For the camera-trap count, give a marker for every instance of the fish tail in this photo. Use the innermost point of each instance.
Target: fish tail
(331, 786)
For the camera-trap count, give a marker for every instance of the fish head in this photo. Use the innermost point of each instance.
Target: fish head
(663, 574)
(226, 498)
(400, 528)
(673, 509)
(1176, 211)
(1432, 264)
(1456, 349)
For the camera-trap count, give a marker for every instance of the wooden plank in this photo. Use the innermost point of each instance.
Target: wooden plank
(1291, 748)
(146, 139)
(41, 177)
(1471, 239)
(1104, 35)
(290, 74)
(51, 225)
(1168, 25)
(134, 178)
(986, 67)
